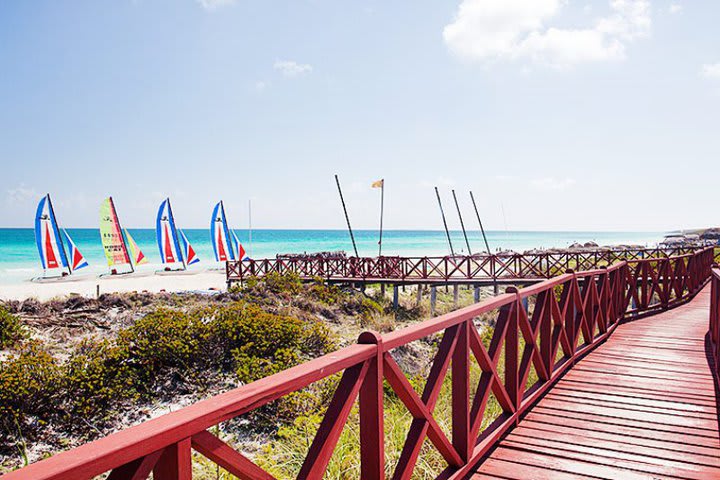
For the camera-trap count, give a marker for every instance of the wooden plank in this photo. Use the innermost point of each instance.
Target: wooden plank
(641, 405)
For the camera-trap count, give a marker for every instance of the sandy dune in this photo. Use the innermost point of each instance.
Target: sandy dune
(88, 286)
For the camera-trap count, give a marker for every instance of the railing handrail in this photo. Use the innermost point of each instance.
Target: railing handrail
(483, 266)
(614, 286)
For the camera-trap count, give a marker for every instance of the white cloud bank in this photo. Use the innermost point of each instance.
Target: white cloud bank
(290, 68)
(488, 30)
(214, 4)
(21, 194)
(710, 70)
(552, 183)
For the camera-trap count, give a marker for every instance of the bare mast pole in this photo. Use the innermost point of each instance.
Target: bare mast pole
(462, 224)
(442, 212)
(482, 230)
(347, 219)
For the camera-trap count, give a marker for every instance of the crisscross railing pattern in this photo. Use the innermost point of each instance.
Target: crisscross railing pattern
(714, 329)
(540, 265)
(543, 329)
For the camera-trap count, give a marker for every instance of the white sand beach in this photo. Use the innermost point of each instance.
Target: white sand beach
(138, 282)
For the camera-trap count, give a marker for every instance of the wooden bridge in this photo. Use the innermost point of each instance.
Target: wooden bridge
(511, 268)
(604, 373)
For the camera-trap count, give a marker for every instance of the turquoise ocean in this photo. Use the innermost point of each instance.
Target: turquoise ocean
(19, 260)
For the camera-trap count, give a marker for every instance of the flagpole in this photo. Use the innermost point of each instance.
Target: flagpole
(462, 224)
(347, 218)
(382, 208)
(442, 212)
(487, 245)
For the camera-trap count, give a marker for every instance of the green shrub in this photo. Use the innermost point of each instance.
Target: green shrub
(283, 283)
(258, 343)
(165, 338)
(98, 376)
(29, 383)
(10, 329)
(369, 310)
(324, 293)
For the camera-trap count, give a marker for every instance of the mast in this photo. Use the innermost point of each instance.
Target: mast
(250, 227)
(57, 227)
(226, 230)
(347, 218)
(176, 242)
(122, 237)
(487, 245)
(442, 212)
(462, 224)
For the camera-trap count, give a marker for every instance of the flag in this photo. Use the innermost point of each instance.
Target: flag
(378, 184)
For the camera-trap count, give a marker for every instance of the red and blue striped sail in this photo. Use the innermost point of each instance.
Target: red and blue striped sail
(167, 236)
(77, 261)
(238, 247)
(220, 235)
(190, 255)
(47, 236)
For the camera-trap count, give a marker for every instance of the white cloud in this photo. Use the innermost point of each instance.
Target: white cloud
(21, 195)
(675, 8)
(517, 29)
(552, 183)
(290, 68)
(260, 86)
(710, 70)
(214, 4)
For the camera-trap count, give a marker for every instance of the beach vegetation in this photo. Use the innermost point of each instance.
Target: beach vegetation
(11, 330)
(166, 352)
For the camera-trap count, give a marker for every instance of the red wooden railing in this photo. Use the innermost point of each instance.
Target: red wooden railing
(715, 322)
(539, 265)
(546, 327)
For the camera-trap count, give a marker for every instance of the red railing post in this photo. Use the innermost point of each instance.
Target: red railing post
(372, 428)
(511, 351)
(175, 463)
(461, 392)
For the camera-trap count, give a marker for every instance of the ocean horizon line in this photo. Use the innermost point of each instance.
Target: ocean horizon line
(430, 230)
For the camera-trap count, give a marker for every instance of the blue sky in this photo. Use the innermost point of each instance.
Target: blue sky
(572, 115)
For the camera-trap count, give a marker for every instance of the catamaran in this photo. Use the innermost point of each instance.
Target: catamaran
(51, 244)
(120, 250)
(225, 242)
(169, 240)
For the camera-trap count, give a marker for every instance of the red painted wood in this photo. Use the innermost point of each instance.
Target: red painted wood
(332, 425)
(372, 426)
(461, 393)
(227, 457)
(136, 470)
(175, 463)
(648, 383)
(458, 268)
(620, 412)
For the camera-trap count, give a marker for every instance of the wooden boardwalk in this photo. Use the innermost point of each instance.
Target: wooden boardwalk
(641, 405)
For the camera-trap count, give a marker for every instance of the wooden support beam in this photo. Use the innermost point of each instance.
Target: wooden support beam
(433, 299)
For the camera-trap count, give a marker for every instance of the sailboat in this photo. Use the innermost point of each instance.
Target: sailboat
(51, 244)
(120, 250)
(225, 242)
(191, 257)
(77, 261)
(169, 240)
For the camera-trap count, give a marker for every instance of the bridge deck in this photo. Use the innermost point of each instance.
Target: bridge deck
(642, 405)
